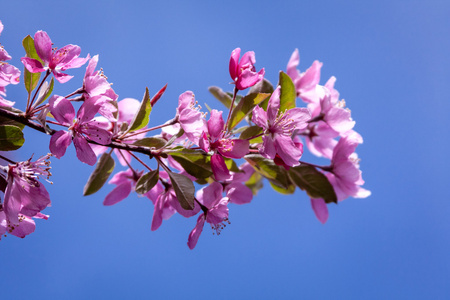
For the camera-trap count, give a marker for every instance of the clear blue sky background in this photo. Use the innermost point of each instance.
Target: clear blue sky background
(391, 59)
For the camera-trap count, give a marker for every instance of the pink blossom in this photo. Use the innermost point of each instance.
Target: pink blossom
(279, 127)
(189, 116)
(305, 83)
(55, 61)
(95, 84)
(243, 73)
(8, 74)
(345, 175)
(215, 139)
(24, 194)
(25, 227)
(80, 129)
(215, 211)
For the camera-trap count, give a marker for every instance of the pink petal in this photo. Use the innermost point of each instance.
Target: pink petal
(196, 232)
(299, 116)
(88, 110)
(311, 77)
(84, 152)
(92, 65)
(127, 109)
(59, 143)
(97, 134)
(268, 148)
(249, 78)
(291, 69)
(119, 193)
(215, 124)
(259, 117)
(320, 209)
(274, 104)
(234, 62)
(287, 150)
(76, 63)
(25, 227)
(219, 168)
(211, 195)
(62, 77)
(43, 45)
(235, 148)
(62, 110)
(63, 56)
(32, 65)
(239, 193)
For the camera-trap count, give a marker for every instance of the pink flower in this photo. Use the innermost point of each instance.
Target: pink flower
(80, 128)
(279, 127)
(305, 83)
(216, 140)
(24, 194)
(55, 61)
(8, 75)
(95, 85)
(215, 211)
(243, 73)
(25, 227)
(189, 116)
(345, 175)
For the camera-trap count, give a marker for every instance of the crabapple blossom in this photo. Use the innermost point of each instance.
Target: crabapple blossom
(278, 129)
(215, 211)
(24, 194)
(80, 128)
(306, 82)
(243, 73)
(55, 61)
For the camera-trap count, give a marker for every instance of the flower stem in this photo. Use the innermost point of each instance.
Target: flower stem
(231, 108)
(35, 93)
(325, 168)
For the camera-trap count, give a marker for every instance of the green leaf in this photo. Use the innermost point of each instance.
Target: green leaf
(151, 142)
(231, 165)
(142, 117)
(47, 91)
(244, 107)
(103, 169)
(11, 138)
(147, 182)
(313, 182)
(220, 95)
(30, 79)
(264, 86)
(290, 190)
(288, 94)
(267, 168)
(184, 189)
(194, 162)
(252, 131)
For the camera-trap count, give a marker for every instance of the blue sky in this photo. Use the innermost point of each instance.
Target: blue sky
(391, 60)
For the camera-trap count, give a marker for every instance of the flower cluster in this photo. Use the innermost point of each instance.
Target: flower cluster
(191, 165)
